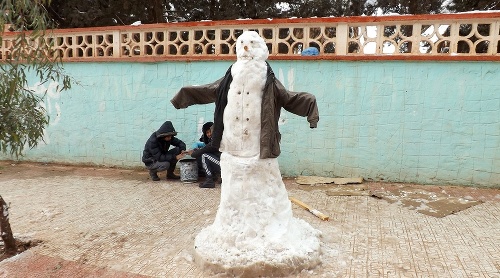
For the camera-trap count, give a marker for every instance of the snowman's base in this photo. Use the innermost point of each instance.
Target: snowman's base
(258, 269)
(268, 259)
(254, 232)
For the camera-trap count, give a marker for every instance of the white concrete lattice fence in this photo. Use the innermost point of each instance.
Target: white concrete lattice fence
(464, 36)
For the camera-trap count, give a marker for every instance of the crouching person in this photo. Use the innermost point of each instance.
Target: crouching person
(205, 138)
(210, 160)
(209, 157)
(157, 154)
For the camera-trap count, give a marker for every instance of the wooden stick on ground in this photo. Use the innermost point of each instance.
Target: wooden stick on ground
(308, 208)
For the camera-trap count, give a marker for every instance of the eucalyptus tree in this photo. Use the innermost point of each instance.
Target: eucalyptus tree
(6, 235)
(25, 55)
(25, 52)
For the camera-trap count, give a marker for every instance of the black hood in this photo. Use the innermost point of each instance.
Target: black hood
(204, 138)
(167, 128)
(206, 126)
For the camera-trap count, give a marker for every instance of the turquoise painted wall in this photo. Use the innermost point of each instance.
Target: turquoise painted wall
(424, 122)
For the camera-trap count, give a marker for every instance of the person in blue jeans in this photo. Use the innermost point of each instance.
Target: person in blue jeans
(209, 157)
(157, 154)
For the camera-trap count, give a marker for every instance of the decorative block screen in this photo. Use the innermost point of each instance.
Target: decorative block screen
(468, 36)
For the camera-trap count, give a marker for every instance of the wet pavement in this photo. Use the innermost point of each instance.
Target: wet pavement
(117, 223)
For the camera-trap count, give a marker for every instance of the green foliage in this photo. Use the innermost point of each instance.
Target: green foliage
(475, 5)
(89, 13)
(27, 51)
(92, 13)
(411, 6)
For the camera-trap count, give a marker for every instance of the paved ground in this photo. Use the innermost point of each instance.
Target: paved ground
(97, 222)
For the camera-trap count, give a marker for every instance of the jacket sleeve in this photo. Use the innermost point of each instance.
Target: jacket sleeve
(178, 143)
(302, 104)
(170, 154)
(190, 95)
(207, 149)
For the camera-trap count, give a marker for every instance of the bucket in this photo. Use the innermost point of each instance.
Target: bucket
(189, 169)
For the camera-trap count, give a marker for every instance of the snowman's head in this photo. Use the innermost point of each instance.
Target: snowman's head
(251, 46)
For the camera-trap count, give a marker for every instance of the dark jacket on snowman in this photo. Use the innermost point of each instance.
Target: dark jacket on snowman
(157, 149)
(274, 98)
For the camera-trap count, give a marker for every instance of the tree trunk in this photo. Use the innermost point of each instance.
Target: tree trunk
(158, 12)
(5, 230)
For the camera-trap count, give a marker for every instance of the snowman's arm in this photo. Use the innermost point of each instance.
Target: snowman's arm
(190, 95)
(302, 104)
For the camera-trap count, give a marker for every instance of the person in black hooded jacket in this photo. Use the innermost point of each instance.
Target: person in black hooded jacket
(157, 155)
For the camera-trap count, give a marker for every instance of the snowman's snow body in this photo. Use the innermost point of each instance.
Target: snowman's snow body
(254, 231)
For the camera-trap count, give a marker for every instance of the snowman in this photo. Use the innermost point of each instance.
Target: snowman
(254, 232)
